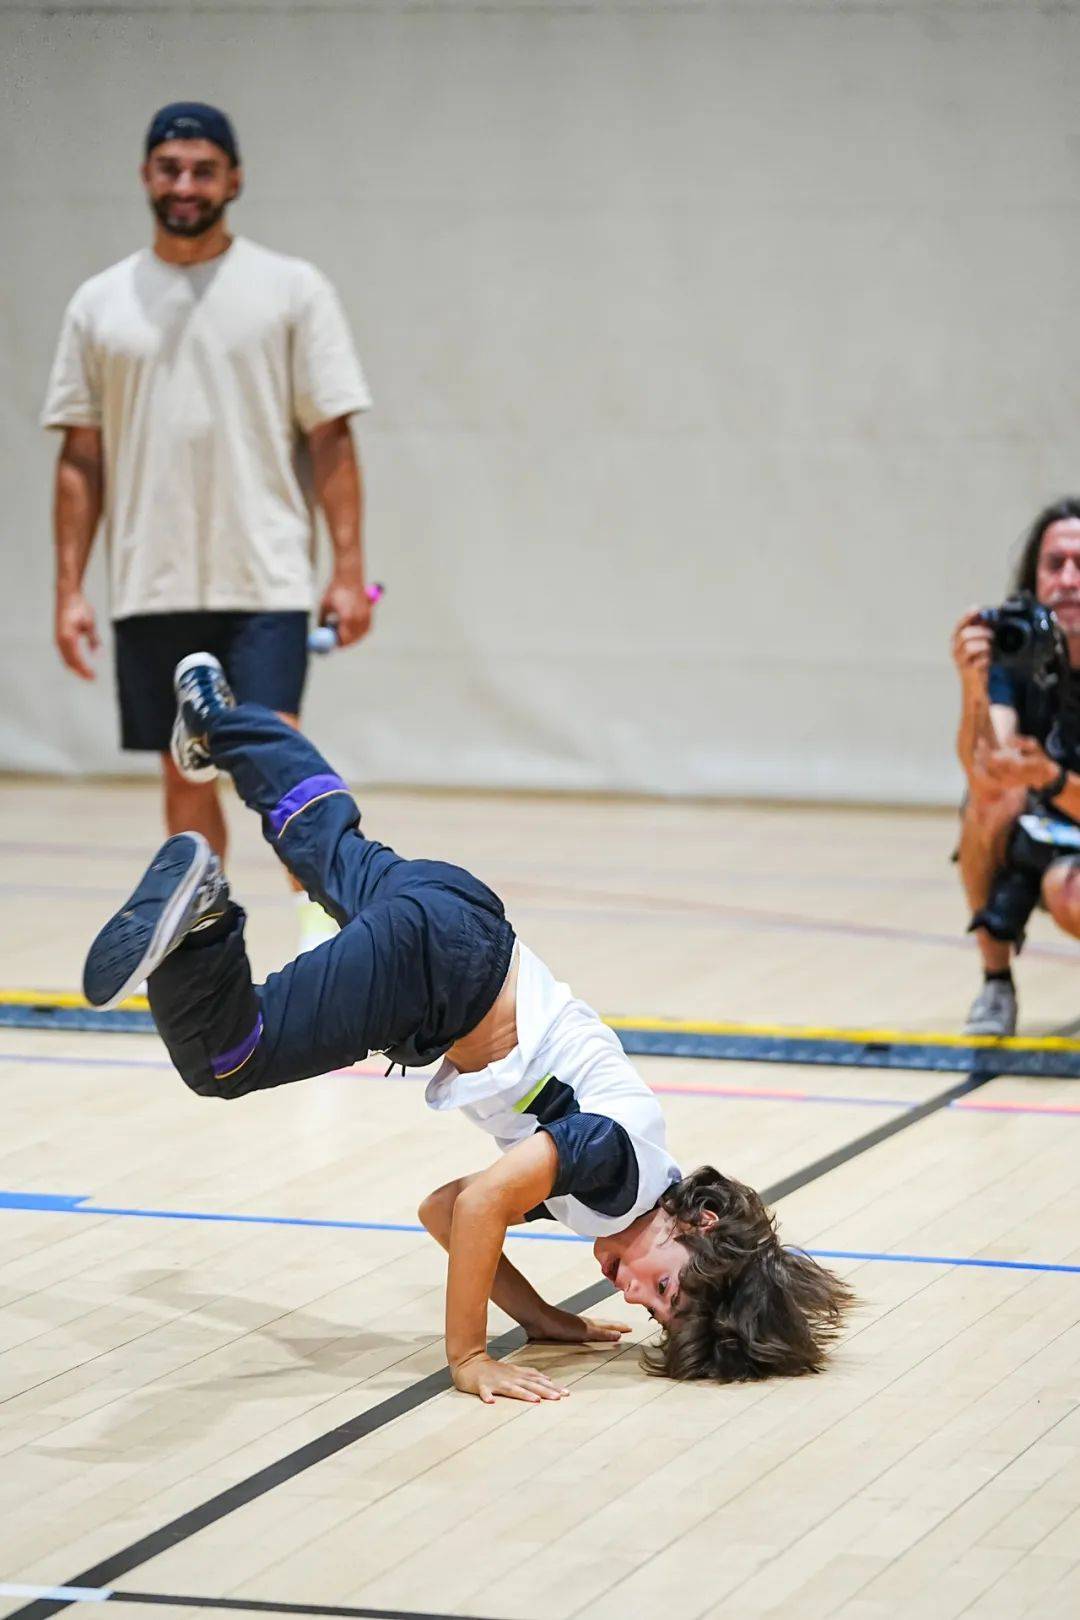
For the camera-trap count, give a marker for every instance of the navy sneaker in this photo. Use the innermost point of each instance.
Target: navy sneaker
(201, 692)
(182, 889)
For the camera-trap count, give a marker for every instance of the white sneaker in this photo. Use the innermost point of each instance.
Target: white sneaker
(993, 1012)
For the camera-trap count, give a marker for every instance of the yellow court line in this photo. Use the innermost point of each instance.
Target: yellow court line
(64, 998)
(680, 1026)
(863, 1037)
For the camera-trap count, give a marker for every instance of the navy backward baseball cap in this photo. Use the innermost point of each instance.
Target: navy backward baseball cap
(192, 121)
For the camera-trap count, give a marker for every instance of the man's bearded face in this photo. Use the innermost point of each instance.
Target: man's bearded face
(189, 185)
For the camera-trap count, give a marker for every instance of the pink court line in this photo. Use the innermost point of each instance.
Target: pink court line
(632, 908)
(976, 1105)
(643, 907)
(784, 1094)
(367, 1071)
(692, 1089)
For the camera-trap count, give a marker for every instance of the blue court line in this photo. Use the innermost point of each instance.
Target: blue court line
(76, 1204)
(941, 1260)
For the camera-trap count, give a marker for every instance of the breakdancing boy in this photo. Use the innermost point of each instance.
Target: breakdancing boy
(426, 967)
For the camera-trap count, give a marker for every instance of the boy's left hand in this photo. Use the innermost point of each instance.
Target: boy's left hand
(561, 1327)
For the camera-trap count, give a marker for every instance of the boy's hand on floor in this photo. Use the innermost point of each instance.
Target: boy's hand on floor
(560, 1327)
(482, 1376)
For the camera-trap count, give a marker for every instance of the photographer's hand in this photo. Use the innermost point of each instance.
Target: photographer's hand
(1021, 763)
(980, 727)
(972, 646)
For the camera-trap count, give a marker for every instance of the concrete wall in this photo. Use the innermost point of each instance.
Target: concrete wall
(720, 352)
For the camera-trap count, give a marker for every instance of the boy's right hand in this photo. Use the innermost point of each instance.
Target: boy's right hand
(483, 1376)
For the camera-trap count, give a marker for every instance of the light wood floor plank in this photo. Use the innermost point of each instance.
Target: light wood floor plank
(147, 1364)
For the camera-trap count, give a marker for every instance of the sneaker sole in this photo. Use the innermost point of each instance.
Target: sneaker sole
(138, 937)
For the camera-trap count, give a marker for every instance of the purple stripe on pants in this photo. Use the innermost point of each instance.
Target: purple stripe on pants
(228, 1062)
(303, 794)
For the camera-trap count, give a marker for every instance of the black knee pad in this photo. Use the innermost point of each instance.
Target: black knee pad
(1014, 894)
(1013, 897)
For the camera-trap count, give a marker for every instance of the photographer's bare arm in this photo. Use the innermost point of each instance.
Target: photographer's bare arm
(980, 720)
(991, 806)
(79, 491)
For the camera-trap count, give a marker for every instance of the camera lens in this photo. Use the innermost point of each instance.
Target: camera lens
(1011, 638)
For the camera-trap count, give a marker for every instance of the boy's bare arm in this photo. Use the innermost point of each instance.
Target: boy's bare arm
(482, 1212)
(512, 1292)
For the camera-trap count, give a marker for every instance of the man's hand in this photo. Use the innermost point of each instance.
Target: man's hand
(972, 648)
(561, 1327)
(75, 623)
(481, 1375)
(1021, 763)
(345, 600)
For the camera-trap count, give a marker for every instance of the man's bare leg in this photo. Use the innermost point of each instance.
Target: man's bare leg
(193, 807)
(983, 836)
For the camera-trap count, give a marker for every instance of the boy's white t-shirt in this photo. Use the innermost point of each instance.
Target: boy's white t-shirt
(202, 381)
(561, 1039)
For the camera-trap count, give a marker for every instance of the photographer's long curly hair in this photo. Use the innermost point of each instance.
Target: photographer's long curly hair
(747, 1306)
(1027, 566)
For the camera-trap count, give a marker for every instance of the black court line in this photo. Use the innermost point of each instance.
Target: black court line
(260, 1606)
(346, 1434)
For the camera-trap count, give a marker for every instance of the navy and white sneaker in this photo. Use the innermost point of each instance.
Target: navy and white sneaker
(201, 692)
(182, 889)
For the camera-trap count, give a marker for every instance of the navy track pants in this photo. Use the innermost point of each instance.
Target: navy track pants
(423, 950)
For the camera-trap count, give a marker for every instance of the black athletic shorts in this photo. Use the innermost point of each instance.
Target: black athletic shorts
(264, 656)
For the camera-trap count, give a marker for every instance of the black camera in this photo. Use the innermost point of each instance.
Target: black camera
(1028, 639)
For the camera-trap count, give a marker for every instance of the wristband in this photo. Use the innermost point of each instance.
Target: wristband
(1055, 787)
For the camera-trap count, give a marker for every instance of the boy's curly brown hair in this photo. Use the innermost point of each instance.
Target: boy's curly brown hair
(747, 1307)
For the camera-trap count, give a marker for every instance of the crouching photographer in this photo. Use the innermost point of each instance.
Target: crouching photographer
(1019, 745)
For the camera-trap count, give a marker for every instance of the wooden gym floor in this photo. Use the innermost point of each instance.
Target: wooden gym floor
(194, 1296)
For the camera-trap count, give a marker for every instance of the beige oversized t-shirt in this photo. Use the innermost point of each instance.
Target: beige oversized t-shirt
(203, 381)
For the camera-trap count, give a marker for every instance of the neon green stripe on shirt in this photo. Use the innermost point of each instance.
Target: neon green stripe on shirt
(521, 1106)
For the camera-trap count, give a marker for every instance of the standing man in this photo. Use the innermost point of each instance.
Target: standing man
(204, 388)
